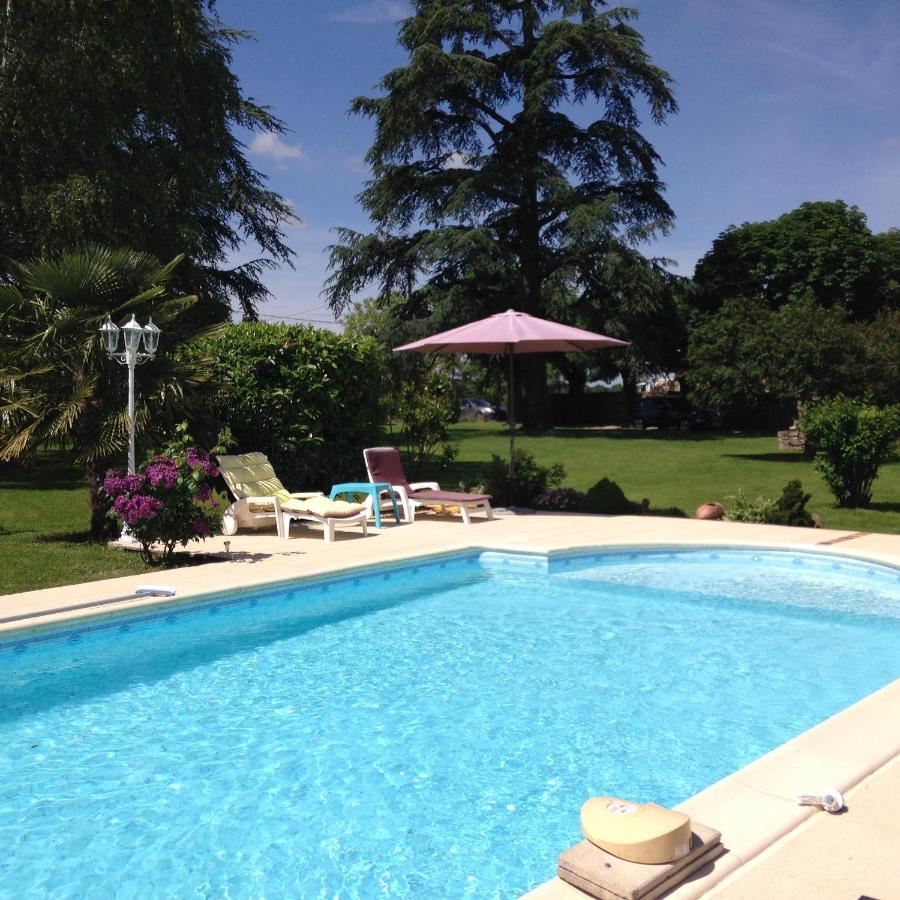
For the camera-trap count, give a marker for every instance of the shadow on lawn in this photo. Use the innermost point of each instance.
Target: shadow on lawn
(632, 434)
(610, 434)
(786, 456)
(885, 507)
(66, 537)
(53, 474)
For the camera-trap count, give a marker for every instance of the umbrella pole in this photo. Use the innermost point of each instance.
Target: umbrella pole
(511, 418)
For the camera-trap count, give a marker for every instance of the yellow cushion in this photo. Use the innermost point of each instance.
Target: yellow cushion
(251, 475)
(322, 506)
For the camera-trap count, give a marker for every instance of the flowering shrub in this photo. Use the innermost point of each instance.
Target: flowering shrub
(559, 500)
(169, 502)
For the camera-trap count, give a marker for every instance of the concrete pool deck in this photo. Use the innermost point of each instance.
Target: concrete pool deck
(775, 848)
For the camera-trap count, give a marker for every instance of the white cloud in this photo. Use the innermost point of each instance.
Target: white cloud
(296, 223)
(374, 12)
(457, 160)
(271, 145)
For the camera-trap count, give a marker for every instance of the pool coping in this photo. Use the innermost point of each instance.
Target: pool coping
(753, 807)
(25, 627)
(48, 618)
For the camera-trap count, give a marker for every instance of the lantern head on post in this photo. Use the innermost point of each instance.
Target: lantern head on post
(133, 334)
(151, 337)
(109, 331)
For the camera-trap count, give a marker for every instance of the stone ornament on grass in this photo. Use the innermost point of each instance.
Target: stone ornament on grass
(711, 511)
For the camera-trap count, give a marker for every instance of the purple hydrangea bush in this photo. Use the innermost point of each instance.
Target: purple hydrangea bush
(169, 501)
(559, 500)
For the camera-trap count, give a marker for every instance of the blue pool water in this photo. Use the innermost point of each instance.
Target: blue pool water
(415, 733)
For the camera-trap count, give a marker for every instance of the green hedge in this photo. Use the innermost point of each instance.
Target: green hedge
(308, 398)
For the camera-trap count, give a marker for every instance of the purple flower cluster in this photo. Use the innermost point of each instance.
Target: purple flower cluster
(117, 482)
(137, 508)
(169, 503)
(198, 459)
(201, 526)
(162, 472)
(559, 500)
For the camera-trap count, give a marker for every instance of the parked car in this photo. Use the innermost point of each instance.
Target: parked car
(480, 410)
(671, 412)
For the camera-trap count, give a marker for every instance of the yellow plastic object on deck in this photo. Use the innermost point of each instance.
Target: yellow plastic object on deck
(639, 832)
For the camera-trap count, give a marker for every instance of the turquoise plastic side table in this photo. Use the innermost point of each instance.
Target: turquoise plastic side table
(373, 490)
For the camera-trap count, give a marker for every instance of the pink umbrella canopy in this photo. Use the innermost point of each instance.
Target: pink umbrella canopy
(512, 332)
(508, 334)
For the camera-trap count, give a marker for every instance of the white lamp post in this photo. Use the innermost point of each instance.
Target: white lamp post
(131, 356)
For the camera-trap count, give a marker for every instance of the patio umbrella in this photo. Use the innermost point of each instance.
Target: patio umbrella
(510, 333)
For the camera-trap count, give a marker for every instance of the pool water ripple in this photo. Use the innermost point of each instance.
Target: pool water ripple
(428, 735)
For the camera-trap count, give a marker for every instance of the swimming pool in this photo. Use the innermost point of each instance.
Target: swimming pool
(427, 730)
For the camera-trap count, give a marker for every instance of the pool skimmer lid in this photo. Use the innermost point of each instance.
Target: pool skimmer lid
(636, 851)
(638, 832)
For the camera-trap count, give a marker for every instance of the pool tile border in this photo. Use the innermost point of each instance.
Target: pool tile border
(125, 614)
(175, 608)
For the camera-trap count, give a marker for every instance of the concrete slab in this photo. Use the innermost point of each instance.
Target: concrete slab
(852, 854)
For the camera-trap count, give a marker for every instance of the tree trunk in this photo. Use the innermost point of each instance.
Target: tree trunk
(535, 412)
(577, 378)
(103, 527)
(629, 398)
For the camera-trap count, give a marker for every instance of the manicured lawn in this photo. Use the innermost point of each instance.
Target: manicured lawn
(44, 509)
(44, 516)
(676, 469)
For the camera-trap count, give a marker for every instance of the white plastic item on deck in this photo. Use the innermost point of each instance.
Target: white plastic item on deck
(830, 799)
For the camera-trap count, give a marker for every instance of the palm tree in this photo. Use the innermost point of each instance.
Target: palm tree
(59, 386)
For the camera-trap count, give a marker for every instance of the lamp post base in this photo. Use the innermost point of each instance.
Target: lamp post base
(126, 538)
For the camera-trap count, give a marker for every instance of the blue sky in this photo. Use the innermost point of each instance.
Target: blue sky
(781, 101)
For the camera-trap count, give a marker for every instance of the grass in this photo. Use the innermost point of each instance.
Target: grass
(44, 516)
(44, 510)
(677, 469)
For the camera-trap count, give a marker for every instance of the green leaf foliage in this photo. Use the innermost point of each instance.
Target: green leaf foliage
(531, 479)
(851, 439)
(801, 306)
(308, 398)
(873, 356)
(607, 498)
(791, 506)
(59, 386)
(486, 193)
(119, 124)
(740, 508)
(822, 249)
(752, 363)
(788, 509)
(421, 412)
(168, 501)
